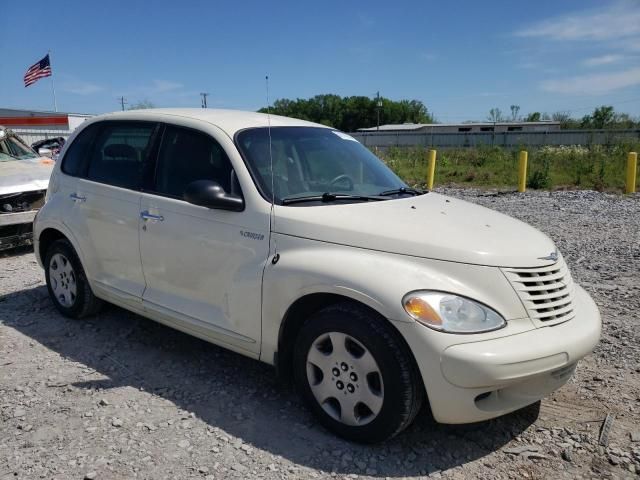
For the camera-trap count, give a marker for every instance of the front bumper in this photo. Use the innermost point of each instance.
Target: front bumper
(17, 218)
(16, 229)
(480, 380)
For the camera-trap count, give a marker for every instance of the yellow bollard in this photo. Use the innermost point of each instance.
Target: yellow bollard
(432, 169)
(632, 166)
(522, 171)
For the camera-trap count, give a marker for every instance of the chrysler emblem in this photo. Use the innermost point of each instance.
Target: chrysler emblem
(553, 256)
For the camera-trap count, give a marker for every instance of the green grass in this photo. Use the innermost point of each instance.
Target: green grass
(596, 167)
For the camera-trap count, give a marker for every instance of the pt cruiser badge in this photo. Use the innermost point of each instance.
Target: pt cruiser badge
(254, 236)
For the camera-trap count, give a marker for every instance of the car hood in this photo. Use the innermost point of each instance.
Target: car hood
(429, 226)
(25, 175)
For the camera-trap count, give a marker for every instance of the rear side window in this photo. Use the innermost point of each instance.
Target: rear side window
(119, 152)
(186, 156)
(76, 155)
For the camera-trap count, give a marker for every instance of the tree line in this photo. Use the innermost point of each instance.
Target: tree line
(351, 113)
(604, 117)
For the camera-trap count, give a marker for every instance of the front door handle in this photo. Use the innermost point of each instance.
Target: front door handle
(77, 198)
(148, 216)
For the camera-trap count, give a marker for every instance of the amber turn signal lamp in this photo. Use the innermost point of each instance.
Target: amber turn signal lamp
(420, 310)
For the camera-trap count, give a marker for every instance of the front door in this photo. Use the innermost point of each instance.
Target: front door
(199, 266)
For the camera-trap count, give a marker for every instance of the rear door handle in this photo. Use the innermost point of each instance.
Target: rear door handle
(148, 216)
(77, 198)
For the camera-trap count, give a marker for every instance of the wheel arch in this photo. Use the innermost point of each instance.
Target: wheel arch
(300, 310)
(47, 232)
(46, 238)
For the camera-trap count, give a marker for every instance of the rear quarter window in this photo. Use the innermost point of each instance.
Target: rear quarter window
(76, 156)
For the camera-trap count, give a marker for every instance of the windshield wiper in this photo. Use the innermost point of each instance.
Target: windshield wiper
(396, 191)
(330, 197)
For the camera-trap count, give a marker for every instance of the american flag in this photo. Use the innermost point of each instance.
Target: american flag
(37, 71)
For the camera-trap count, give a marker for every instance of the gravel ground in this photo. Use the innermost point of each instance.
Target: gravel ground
(119, 396)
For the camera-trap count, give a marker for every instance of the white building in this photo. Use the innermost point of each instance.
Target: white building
(471, 127)
(34, 125)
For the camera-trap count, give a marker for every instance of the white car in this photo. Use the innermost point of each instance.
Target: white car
(291, 243)
(24, 176)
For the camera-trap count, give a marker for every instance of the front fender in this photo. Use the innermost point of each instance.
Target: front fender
(377, 279)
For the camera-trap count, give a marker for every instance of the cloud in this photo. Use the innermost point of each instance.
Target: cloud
(369, 52)
(594, 84)
(153, 89)
(528, 65)
(189, 93)
(81, 88)
(163, 86)
(632, 44)
(620, 20)
(602, 60)
(428, 56)
(365, 20)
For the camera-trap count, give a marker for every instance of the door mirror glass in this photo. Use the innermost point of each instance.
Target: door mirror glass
(45, 152)
(210, 194)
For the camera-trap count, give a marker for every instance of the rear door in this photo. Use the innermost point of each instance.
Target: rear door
(203, 267)
(104, 204)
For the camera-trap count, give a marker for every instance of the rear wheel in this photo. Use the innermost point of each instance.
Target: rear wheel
(67, 282)
(356, 374)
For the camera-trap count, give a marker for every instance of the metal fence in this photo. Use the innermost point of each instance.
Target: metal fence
(442, 140)
(31, 135)
(501, 139)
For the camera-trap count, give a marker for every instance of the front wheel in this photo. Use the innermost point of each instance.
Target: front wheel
(356, 374)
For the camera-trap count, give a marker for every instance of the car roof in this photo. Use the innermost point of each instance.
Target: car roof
(230, 121)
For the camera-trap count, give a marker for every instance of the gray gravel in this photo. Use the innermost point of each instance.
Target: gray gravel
(119, 396)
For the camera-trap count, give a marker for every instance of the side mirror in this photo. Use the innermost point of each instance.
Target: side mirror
(207, 193)
(45, 152)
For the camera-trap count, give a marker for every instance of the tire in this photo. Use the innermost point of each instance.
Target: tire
(67, 282)
(362, 368)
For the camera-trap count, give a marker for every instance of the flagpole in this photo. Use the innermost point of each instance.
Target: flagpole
(53, 85)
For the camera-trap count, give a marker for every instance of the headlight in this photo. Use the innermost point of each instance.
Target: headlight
(450, 313)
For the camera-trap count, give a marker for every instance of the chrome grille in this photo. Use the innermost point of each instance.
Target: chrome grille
(547, 292)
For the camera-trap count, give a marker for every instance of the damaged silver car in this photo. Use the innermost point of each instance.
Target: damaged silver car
(24, 177)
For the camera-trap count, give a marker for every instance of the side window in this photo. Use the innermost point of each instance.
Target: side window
(75, 157)
(186, 156)
(119, 152)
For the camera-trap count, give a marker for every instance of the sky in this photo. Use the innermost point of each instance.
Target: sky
(460, 58)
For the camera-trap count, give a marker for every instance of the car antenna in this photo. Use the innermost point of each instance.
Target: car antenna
(276, 257)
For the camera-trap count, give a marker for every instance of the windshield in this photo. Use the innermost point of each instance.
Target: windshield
(12, 148)
(309, 161)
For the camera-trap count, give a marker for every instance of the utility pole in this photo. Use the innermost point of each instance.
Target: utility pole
(378, 107)
(204, 99)
(122, 102)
